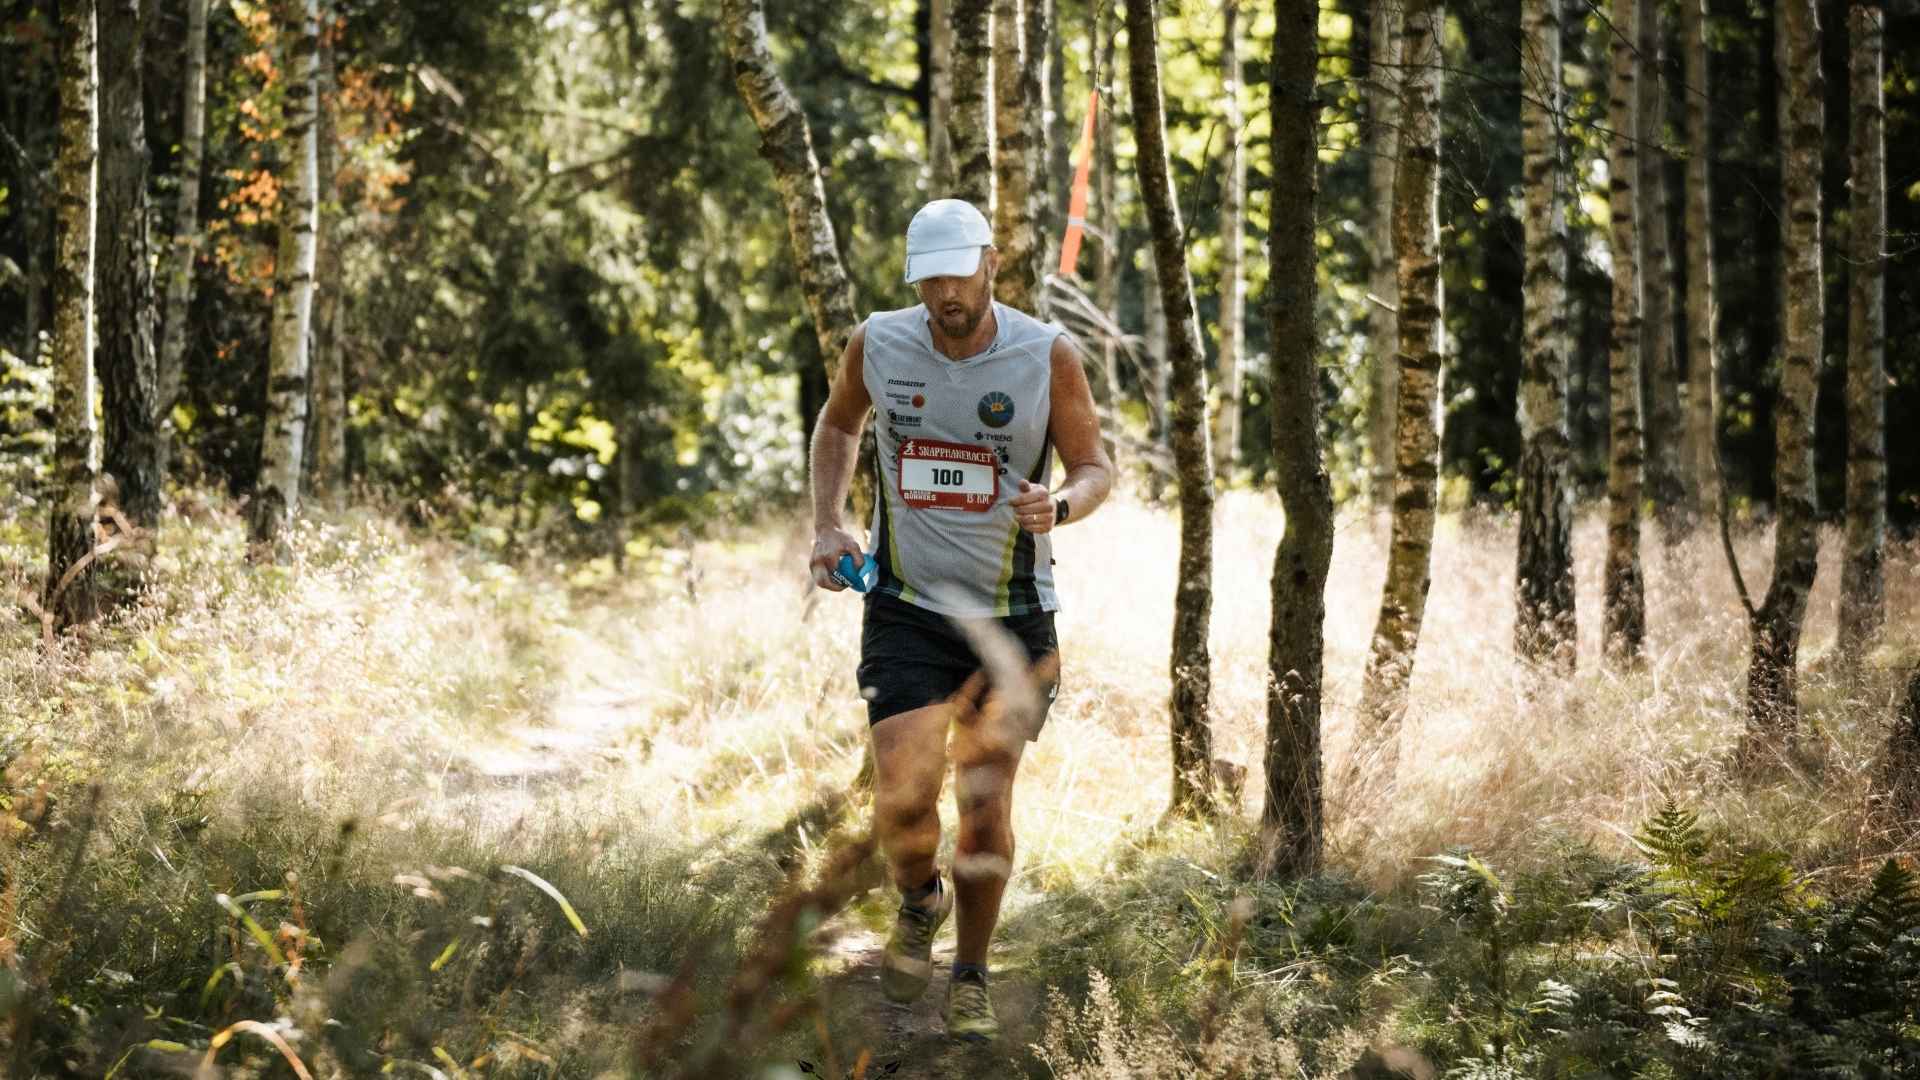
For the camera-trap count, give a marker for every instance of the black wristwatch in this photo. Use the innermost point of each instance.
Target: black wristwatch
(1060, 512)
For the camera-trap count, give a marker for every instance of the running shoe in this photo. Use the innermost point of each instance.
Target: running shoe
(907, 965)
(970, 1012)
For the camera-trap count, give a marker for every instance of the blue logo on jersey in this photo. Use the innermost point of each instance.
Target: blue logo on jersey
(996, 410)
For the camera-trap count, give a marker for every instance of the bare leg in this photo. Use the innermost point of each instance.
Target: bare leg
(985, 760)
(909, 766)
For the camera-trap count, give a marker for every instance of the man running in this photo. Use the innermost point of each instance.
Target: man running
(973, 398)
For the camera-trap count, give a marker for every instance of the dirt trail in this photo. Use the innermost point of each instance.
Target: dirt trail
(912, 1040)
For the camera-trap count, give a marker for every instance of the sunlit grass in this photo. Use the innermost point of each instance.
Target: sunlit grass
(661, 748)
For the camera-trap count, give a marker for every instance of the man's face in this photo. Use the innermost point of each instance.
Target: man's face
(957, 304)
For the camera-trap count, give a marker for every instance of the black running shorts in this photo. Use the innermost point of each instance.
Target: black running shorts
(911, 657)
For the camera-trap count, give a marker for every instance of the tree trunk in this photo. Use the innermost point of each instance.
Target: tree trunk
(1041, 120)
(1016, 160)
(1059, 149)
(1292, 822)
(70, 494)
(1233, 293)
(1106, 217)
(124, 268)
(180, 254)
(1416, 240)
(1193, 599)
(1897, 787)
(1624, 625)
(1384, 90)
(1773, 708)
(939, 148)
(283, 449)
(1660, 375)
(329, 473)
(970, 124)
(1544, 622)
(787, 144)
(1702, 316)
(1863, 582)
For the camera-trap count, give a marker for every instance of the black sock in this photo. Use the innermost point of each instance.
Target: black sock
(973, 973)
(918, 897)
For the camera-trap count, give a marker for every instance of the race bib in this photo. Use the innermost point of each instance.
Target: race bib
(948, 476)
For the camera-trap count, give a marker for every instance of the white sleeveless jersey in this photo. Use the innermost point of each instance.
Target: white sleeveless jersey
(955, 437)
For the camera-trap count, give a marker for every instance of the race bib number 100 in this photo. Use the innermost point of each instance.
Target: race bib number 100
(948, 476)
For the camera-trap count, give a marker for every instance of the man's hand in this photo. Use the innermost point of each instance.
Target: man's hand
(1033, 507)
(828, 545)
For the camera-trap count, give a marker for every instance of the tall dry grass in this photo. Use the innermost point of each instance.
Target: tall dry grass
(665, 745)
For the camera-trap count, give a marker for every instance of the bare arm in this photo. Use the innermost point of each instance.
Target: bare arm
(1074, 427)
(836, 450)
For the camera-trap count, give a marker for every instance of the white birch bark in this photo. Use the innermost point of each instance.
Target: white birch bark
(283, 448)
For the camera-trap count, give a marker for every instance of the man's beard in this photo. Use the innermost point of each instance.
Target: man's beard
(962, 323)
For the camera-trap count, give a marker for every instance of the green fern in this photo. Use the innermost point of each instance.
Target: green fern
(1673, 838)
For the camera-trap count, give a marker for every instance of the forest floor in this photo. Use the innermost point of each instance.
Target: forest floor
(375, 751)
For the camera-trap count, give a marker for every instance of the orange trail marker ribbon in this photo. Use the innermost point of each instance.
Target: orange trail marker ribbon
(1077, 203)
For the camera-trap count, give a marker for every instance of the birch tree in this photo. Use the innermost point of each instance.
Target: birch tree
(184, 247)
(1416, 241)
(123, 265)
(1016, 159)
(1702, 315)
(1544, 623)
(283, 447)
(1233, 293)
(1773, 708)
(970, 123)
(1292, 820)
(1383, 286)
(1105, 225)
(1665, 482)
(1863, 579)
(940, 111)
(1192, 674)
(787, 144)
(1624, 621)
(69, 596)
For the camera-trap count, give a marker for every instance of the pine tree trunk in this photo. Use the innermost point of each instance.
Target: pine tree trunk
(1702, 316)
(1191, 667)
(1016, 160)
(1293, 821)
(329, 473)
(787, 144)
(1773, 708)
(1384, 91)
(283, 449)
(1544, 623)
(1624, 622)
(124, 271)
(939, 148)
(1897, 788)
(1659, 374)
(185, 246)
(1233, 292)
(70, 492)
(1416, 240)
(1863, 581)
(970, 124)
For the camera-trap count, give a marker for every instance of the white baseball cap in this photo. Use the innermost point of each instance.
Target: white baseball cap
(945, 240)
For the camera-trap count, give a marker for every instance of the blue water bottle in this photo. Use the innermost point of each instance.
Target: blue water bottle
(860, 578)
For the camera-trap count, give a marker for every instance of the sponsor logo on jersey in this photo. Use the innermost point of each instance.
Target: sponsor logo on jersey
(919, 401)
(996, 409)
(901, 420)
(907, 382)
(988, 436)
